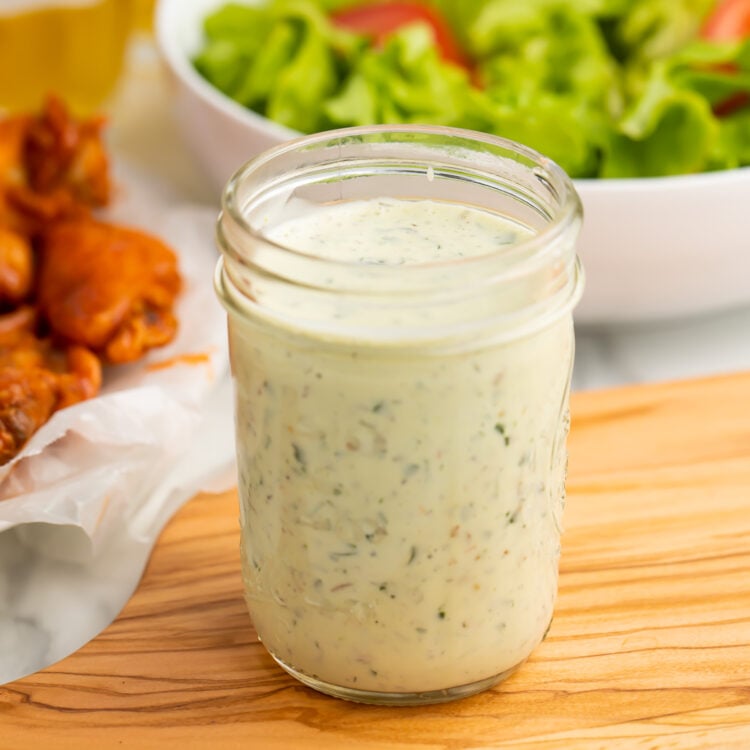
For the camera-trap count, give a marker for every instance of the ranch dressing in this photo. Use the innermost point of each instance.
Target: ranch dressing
(400, 505)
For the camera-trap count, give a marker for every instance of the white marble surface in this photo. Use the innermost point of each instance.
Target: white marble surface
(664, 350)
(143, 133)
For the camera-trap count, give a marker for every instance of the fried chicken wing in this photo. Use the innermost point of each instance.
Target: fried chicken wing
(51, 167)
(13, 132)
(62, 153)
(109, 288)
(93, 289)
(16, 266)
(37, 379)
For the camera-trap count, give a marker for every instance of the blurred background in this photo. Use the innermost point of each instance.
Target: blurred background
(75, 48)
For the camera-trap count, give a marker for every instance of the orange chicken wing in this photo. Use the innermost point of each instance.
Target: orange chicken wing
(62, 153)
(37, 379)
(51, 167)
(108, 288)
(16, 266)
(13, 132)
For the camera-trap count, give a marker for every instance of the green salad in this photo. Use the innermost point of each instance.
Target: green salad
(607, 88)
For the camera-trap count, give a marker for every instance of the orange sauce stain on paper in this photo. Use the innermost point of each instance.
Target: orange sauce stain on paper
(199, 358)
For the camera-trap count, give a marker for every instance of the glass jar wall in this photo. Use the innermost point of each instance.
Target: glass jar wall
(401, 339)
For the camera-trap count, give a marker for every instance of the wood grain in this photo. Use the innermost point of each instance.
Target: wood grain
(650, 647)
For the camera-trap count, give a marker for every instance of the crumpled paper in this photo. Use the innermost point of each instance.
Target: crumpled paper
(82, 506)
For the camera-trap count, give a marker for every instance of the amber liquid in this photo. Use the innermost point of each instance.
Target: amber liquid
(143, 13)
(74, 49)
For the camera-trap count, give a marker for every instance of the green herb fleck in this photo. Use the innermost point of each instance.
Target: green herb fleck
(378, 407)
(441, 614)
(350, 552)
(409, 471)
(299, 456)
(412, 555)
(500, 428)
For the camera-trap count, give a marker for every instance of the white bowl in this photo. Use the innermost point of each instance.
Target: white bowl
(652, 248)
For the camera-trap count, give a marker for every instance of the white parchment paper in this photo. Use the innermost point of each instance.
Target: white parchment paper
(82, 505)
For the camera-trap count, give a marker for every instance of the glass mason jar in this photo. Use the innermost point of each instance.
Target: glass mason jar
(400, 324)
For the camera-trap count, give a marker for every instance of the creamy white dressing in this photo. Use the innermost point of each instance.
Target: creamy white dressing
(397, 232)
(400, 506)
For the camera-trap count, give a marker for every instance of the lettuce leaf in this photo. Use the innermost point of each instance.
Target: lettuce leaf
(404, 82)
(733, 148)
(668, 131)
(651, 29)
(671, 127)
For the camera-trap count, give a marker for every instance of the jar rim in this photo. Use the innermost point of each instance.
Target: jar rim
(500, 294)
(530, 250)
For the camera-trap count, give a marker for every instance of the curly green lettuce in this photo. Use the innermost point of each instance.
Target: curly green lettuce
(607, 88)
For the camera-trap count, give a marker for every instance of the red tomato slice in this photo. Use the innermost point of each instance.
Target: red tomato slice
(730, 20)
(379, 20)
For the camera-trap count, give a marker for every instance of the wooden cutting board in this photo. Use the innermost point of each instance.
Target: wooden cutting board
(650, 646)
